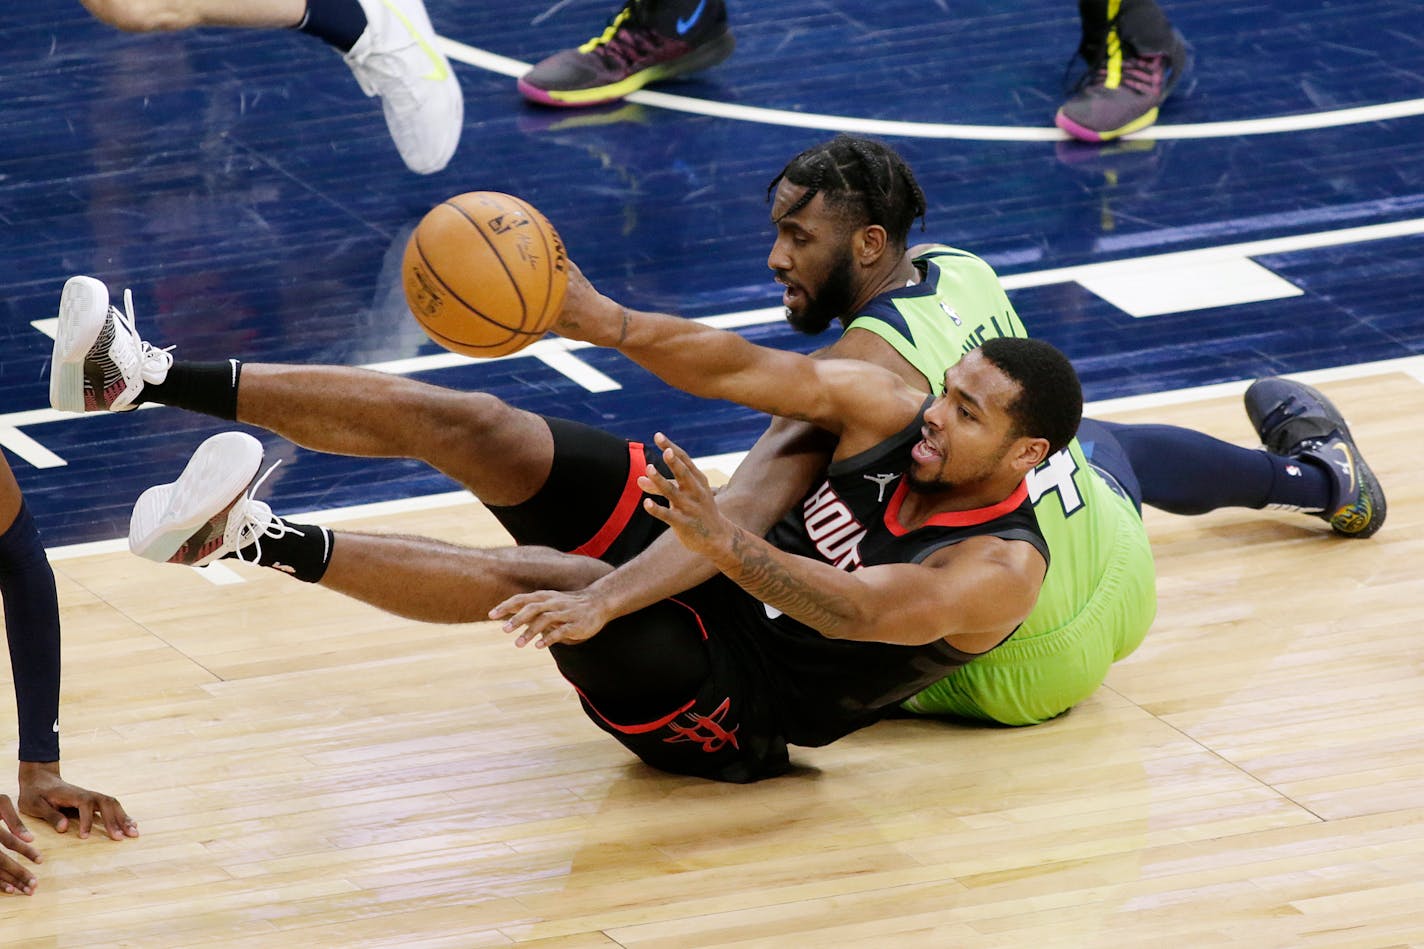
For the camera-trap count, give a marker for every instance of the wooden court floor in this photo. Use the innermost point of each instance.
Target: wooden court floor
(308, 771)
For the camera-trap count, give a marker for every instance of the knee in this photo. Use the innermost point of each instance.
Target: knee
(143, 16)
(472, 418)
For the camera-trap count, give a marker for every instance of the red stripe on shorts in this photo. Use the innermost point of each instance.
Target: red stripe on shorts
(623, 511)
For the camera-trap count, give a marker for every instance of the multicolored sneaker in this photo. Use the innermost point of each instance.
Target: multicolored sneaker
(1123, 89)
(396, 59)
(209, 512)
(1295, 420)
(646, 41)
(99, 363)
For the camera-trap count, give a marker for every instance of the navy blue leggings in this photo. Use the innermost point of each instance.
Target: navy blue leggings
(1187, 472)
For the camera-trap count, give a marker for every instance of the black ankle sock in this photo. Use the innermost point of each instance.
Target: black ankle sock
(302, 550)
(207, 387)
(337, 23)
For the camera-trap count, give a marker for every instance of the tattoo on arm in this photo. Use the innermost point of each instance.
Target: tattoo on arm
(623, 330)
(758, 572)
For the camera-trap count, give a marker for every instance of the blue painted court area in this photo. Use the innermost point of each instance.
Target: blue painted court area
(248, 193)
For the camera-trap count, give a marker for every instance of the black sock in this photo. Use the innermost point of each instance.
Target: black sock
(302, 550)
(337, 23)
(207, 387)
(1141, 25)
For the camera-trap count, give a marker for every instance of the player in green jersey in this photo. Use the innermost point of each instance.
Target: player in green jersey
(843, 211)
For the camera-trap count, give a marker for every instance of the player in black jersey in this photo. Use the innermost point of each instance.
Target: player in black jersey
(929, 556)
(32, 629)
(843, 210)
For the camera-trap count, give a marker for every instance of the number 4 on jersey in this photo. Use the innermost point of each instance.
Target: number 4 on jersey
(1056, 474)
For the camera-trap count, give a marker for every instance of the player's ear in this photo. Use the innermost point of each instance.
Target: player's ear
(1029, 453)
(871, 243)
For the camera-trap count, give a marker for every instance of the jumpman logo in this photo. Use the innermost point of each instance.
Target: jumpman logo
(884, 481)
(706, 730)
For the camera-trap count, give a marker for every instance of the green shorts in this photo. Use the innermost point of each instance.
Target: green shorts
(1036, 676)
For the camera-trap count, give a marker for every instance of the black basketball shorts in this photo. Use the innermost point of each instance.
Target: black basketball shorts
(591, 503)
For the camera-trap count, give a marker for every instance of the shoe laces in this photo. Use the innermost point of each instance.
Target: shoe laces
(251, 520)
(625, 40)
(152, 363)
(1141, 74)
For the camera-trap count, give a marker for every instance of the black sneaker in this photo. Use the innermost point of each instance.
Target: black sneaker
(645, 42)
(1295, 420)
(1124, 86)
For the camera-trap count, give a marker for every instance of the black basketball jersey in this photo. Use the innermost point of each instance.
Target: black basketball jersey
(826, 688)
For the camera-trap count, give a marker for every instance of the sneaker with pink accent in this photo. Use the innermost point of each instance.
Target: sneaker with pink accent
(646, 41)
(1123, 89)
(209, 512)
(99, 362)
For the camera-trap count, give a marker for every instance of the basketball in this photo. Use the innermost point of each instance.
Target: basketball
(484, 273)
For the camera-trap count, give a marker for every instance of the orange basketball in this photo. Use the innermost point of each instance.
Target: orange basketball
(485, 274)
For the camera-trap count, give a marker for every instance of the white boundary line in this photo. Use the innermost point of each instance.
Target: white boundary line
(1410, 365)
(1407, 108)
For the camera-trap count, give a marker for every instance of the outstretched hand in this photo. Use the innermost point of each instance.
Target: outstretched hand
(14, 835)
(47, 796)
(691, 509)
(550, 616)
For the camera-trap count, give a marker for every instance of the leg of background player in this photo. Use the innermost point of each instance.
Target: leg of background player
(388, 44)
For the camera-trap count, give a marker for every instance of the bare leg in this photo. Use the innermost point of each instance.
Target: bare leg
(502, 454)
(144, 16)
(436, 582)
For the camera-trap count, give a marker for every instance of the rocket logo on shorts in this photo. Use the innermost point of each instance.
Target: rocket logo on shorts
(706, 730)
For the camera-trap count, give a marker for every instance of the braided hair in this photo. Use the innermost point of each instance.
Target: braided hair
(863, 180)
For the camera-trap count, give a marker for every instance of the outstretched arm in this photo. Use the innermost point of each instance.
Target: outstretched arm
(844, 397)
(780, 470)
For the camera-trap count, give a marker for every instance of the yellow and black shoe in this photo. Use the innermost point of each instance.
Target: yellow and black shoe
(646, 41)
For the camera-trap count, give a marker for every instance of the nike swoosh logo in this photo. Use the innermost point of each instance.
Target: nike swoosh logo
(439, 72)
(684, 25)
(56, 726)
(1349, 464)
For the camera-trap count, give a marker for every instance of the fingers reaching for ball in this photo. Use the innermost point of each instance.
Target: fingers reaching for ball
(691, 508)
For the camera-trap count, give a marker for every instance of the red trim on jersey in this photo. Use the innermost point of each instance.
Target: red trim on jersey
(979, 515)
(622, 511)
(662, 722)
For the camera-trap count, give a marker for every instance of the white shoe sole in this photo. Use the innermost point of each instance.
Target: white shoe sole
(166, 516)
(83, 305)
(428, 136)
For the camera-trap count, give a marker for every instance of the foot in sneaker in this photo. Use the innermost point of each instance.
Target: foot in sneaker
(646, 41)
(99, 361)
(396, 59)
(1295, 420)
(209, 512)
(1123, 89)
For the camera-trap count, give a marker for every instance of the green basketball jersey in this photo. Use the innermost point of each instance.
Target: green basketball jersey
(958, 305)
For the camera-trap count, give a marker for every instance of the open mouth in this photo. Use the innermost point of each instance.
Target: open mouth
(926, 453)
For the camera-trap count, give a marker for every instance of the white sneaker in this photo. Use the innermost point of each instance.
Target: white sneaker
(209, 511)
(99, 361)
(396, 59)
